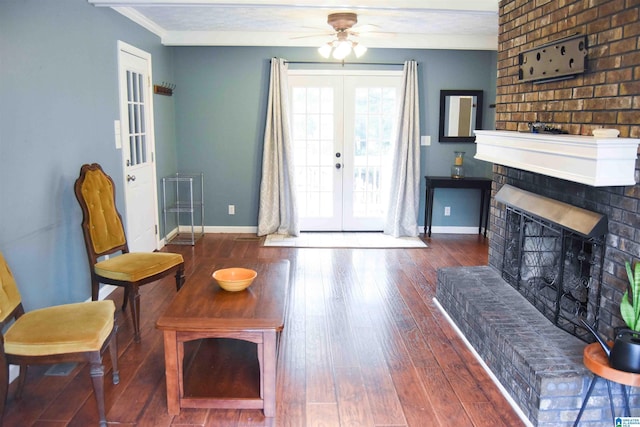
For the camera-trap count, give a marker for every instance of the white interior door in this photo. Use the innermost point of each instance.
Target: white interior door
(343, 127)
(136, 117)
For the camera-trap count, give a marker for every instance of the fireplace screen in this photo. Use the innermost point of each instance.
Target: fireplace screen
(557, 270)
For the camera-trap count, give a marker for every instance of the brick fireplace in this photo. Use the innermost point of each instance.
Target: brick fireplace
(606, 95)
(537, 363)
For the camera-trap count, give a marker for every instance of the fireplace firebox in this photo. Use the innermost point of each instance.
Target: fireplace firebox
(553, 256)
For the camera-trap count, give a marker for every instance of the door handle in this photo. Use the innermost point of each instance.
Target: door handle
(338, 165)
(131, 178)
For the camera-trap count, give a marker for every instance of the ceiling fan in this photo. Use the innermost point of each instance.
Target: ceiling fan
(342, 45)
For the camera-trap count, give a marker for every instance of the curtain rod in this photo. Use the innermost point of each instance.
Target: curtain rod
(342, 63)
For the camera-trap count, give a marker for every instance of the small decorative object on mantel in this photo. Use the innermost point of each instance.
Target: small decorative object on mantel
(457, 169)
(537, 127)
(164, 89)
(605, 133)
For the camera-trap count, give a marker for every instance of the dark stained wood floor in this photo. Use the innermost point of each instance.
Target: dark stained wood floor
(364, 345)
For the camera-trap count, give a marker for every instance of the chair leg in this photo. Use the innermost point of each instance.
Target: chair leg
(22, 379)
(180, 277)
(4, 381)
(125, 299)
(95, 289)
(134, 300)
(113, 352)
(97, 377)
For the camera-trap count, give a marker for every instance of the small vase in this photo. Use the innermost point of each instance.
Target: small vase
(457, 169)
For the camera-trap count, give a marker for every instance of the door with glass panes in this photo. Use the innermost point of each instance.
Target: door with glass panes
(342, 135)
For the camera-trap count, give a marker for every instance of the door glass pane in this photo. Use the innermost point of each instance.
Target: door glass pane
(312, 128)
(372, 149)
(136, 114)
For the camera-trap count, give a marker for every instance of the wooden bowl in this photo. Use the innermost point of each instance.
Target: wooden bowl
(234, 279)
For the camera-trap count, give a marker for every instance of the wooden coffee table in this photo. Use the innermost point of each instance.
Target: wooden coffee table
(201, 311)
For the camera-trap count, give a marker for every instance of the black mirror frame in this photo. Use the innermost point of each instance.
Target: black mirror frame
(443, 97)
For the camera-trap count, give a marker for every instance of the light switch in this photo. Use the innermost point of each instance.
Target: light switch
(425, 140)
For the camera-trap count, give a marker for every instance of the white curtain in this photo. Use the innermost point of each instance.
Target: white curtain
(402, 213)
(278, 210)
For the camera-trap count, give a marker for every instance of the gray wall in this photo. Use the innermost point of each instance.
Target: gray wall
(59, 98)
(58, 101)
(221, 100)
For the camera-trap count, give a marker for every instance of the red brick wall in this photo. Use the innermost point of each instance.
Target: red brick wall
(606, 95)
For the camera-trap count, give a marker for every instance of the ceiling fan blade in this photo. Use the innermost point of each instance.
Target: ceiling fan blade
(374, 34)
(306, 36)
(366, 28)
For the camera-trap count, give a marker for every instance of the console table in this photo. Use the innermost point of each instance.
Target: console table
(483, 184)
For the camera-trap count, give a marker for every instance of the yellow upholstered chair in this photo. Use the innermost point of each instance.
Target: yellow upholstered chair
(66, 333)
(104, 235)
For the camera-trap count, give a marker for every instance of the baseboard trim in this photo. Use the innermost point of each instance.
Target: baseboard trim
(231, 229)
(454, 230)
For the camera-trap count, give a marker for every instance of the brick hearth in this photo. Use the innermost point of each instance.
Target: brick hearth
(538, 364)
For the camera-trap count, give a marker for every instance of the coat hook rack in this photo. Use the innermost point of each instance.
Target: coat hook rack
(164, 89)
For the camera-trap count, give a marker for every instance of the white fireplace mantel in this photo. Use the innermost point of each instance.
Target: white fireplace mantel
(599, 162)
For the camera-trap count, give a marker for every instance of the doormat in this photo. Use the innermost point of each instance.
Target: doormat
(61, 369)
(343, 240)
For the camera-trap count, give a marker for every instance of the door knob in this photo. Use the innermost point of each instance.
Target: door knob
(338, 155)
(338, 165)
(131, 178)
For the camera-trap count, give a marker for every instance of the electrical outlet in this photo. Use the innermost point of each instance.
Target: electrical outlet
(232, 209)
(447, 211)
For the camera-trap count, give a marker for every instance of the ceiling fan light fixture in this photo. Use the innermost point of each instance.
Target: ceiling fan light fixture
(342, 50)
(342, 45)
(359, 49)
(325, 50)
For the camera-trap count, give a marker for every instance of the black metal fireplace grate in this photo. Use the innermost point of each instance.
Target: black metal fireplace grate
(558, 271)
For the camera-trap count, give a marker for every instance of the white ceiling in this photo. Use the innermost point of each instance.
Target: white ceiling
(420, 24)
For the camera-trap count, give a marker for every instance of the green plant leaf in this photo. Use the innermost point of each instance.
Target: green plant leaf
(627, 312)
(630, 311)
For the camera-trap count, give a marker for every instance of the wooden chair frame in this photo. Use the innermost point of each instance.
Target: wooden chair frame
(94, 358)
(131, 289)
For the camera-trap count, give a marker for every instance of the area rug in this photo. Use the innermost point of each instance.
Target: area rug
(343, 240)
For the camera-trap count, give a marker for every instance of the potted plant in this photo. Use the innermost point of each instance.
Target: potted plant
(630, 304)
(624, 355)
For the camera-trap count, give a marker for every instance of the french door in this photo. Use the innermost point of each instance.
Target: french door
(342, 135)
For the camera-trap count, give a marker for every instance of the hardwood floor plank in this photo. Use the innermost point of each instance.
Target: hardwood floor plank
(222, 418)
(322, 415)
(79, 389)
(450, 410)
(318, 361)
(291, 370)
(353, 404)
(386, 409)
(148, 360)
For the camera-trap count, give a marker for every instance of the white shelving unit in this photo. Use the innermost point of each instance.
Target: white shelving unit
(183, 200)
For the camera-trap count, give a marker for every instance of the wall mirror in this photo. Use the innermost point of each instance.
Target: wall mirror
(460, 115)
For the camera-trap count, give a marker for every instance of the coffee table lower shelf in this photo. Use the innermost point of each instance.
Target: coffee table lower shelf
(221, 373)
(223, 370)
